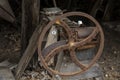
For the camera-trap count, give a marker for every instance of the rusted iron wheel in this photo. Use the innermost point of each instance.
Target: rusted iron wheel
(70, 44)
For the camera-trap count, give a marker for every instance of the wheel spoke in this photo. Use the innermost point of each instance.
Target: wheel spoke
(88, 39)
(88, 45)
(75, 59)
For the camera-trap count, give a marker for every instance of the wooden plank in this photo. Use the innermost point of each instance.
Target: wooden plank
(29, 52)
(59, 61)
(93, 72)
(6, 74)
(6, 11)
(96, 7)
(30, 20)
(52, 38)
(108, 10)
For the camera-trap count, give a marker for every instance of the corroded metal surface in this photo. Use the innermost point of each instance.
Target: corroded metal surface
(71, 43)
(6, 11)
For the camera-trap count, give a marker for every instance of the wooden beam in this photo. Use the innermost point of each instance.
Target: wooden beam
(30, 20)
(52, 38)
(29, 52)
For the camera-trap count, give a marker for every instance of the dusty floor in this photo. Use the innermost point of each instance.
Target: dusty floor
(109, 61)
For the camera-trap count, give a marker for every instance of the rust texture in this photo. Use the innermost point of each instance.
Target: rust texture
(77, 38)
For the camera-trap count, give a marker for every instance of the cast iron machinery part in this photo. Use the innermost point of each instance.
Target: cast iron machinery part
(69, 44)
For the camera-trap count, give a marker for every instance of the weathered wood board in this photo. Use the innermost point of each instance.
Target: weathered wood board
(93, 72)
(6, 74)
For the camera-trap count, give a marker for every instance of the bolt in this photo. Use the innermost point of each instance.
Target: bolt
(54, 32)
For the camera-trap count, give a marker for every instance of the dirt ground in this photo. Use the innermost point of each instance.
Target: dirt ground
(9, 43)
(109, 61)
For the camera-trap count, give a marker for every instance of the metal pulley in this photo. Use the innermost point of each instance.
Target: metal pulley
(71, 39)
